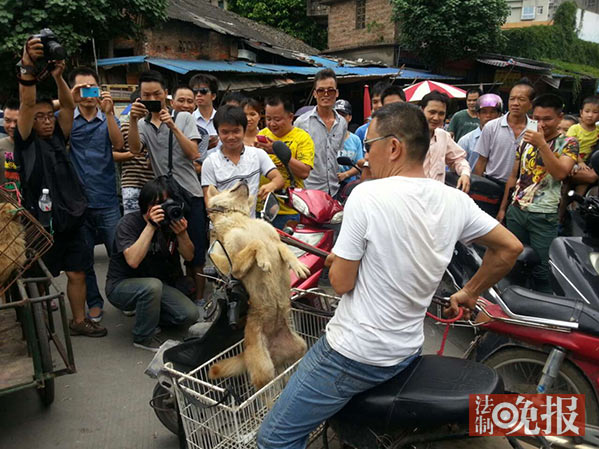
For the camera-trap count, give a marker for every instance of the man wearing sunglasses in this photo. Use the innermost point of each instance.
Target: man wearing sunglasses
(397, 238)
(205, 89)
(327, 129)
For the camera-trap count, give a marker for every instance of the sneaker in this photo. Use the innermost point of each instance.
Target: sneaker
(129, 312)
(87, 328)
(152, 343)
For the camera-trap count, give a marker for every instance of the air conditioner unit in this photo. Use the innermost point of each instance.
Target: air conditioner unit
(528, 13)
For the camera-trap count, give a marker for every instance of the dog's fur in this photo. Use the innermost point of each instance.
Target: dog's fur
(261, 262)
(12, 242)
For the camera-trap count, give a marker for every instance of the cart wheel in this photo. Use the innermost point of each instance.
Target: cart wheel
(47, 391)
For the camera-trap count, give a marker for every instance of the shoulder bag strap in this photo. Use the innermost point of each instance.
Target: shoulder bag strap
(170, 147)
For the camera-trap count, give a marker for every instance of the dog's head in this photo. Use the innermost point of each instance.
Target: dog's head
(236, 199)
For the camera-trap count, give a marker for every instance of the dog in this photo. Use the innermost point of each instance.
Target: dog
(261, 262)
(12, 242)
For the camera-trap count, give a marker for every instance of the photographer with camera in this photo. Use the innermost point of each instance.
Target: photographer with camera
(171, 139)
(51, 189)
(145, 265)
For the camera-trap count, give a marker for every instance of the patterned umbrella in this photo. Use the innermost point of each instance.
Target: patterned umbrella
(419, 90)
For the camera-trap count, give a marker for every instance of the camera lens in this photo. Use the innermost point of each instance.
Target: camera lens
(175, 213)
(56, 51)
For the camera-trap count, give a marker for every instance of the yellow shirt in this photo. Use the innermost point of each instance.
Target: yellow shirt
(302, 148)
(586, 140)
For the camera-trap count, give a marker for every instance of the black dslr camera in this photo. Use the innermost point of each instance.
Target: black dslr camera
(173, 211)
(53, 51)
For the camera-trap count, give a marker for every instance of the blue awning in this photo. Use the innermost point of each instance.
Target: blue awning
(121, 61)
(183, 67)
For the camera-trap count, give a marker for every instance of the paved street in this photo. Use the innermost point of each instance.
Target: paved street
(105, 405)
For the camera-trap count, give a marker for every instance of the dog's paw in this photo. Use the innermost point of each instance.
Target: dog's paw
(264, 265)
(301, 270)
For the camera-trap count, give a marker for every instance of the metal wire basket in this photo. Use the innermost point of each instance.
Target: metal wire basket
(23, 240)
(227, 413)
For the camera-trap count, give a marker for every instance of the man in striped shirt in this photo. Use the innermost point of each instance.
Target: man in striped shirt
(136, 170)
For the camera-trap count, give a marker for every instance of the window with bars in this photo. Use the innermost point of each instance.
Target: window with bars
(360, 14)
(591, 3)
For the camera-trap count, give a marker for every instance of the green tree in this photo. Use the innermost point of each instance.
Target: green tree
(450, 29)
(75, 23)
(288, 16)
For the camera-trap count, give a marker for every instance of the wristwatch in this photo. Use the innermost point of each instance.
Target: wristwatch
(25, 69)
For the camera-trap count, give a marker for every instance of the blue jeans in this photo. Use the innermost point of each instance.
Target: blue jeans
(324, 382)
(101, 222)
(154, 303)
(280, 220)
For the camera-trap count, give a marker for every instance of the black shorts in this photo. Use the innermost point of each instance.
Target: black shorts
(68, 252)
(196, 228)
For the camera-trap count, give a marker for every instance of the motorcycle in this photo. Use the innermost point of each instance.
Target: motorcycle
(573, 261)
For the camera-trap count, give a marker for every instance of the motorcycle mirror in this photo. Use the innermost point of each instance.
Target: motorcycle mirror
(282, 151)
(220, 259)
(595, 161)
(344, 160)
(271, 208)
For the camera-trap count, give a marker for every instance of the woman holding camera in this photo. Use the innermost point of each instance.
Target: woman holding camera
(144, 267)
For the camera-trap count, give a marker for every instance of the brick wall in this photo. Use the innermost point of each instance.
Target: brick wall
(180, 40)
(342, 24)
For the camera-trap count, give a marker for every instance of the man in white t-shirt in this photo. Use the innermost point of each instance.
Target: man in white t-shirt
(397, 238)
(234, 161)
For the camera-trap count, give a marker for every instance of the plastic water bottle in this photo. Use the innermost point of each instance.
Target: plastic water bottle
(45, 205)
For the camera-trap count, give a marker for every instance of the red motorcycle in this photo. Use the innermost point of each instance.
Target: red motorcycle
(312, 238)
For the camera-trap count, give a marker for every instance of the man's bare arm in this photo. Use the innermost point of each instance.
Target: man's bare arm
(32, 50)
(342, 273)
(481, 164)
(503, 248)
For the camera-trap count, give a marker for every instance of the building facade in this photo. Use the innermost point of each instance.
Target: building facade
(362, 29)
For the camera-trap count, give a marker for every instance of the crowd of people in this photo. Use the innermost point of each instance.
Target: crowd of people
(171, 148)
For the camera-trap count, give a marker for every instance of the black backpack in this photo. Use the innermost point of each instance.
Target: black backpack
(69, 201)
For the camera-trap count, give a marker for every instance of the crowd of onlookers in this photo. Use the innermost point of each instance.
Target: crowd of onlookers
(170, 146)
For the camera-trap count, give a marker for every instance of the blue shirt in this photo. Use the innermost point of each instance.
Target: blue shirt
(361, 131)
(91, 153)
(352, 148)
(468, 143)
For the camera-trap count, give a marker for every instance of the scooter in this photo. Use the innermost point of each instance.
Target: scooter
(429, 400)
(573, 261)
(312, 238)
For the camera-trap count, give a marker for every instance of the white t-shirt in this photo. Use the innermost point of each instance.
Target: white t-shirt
(403, 231)
(218, 170)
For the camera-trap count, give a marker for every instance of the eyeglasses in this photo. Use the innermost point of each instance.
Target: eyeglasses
(326, 92)
(369, 142)
(201, 90)
(49, 117)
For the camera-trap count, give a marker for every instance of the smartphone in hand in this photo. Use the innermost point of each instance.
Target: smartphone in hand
(532, 125)
(90, 92)
(261, 139)
(152, 105)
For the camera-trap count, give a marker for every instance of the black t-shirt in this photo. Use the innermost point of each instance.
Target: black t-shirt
(29, 162)
(162, 260)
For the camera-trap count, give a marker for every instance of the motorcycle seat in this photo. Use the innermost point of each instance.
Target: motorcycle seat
(531, 303)
(432, 391)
